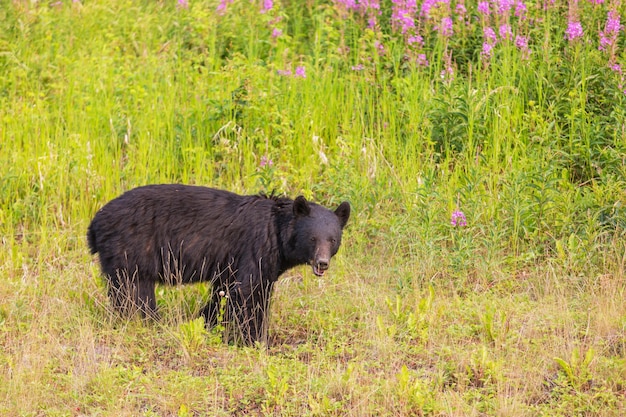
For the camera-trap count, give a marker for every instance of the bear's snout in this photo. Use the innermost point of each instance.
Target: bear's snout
(320, 265)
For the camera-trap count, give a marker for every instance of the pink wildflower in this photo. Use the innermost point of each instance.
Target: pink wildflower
(300, 72)
(458, 219)
(483, 8)
(267, 6)
(505, 32)
(574, 30)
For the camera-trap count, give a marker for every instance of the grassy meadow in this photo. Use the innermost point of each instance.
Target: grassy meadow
(482, 146)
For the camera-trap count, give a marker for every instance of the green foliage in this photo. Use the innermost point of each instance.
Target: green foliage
(577, 372)
(192, 335)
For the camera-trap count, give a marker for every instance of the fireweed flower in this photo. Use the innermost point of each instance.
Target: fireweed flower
(446, 27)
(300, 72)
(380, 48)
(487, 49)
(458, 219)
(447, 74)
(490, 35)
(608, 36)
(422, 60)
(266, 162)
(183, 4)
(358, 67)
(505, 32)
(402, 14)
(521, 42)
(426, 6)
(574, 30)
(221, 8)
(490, 40)
(267, 6)
(483, 8)
(461, 11)
(504, 7)
(276, 33)
(415, 39)
(521, 10)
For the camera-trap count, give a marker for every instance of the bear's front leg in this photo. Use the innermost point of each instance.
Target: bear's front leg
(250, 310)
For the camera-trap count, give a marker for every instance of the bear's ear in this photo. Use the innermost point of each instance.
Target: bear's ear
(343, 212)
(301, 207)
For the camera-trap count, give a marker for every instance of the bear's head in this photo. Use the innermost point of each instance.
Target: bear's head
(316, 233)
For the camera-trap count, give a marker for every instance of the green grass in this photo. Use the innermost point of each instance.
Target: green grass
(521, 313)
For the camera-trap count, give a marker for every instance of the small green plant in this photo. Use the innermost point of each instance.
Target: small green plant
(413, 393)
(277, 388)
(576, 373)
(221, 331)
(192, 336)
(495, 326)
(410, 322)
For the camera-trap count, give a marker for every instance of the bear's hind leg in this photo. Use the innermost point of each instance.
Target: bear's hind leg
(128, 293)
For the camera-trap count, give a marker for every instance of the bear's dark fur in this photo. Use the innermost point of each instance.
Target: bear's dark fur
(177, 234)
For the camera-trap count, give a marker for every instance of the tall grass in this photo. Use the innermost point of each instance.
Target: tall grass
(520, 313)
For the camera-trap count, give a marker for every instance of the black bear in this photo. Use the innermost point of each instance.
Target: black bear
(175, 234)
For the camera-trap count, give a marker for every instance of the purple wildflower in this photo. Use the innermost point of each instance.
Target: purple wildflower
(458, 219)
(487, 48)
(504, 7)
(616, 67)
(426, 6)
(447, 74)
(284, 73)
(380, 48)
(608, 36)
(267, 6)
(613, 25)
(422, 60)
(483, 8)
(521, 10)
(358, 67)
(221, 8)
(505, 32)
(490, 40)
(402, 14)
(183, 4)
(348, 4)
(446, 27)
(521, 42)
(300, 72)
(461, 11)
(574, 30)
(415, 39)
(266, 162)
(490, 35)
(276, 33)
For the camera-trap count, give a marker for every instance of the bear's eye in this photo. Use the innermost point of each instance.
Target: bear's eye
(333, 240)
(312, 238)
